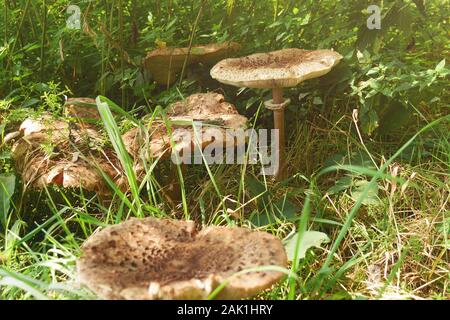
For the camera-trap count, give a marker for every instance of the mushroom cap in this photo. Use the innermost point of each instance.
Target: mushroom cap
(277, 69)
(154, 141)
(209, 108)
(53, 152)
(80, 109)
(67, 174)
(165, 63)
(12, 136)
(45, 123)
(166, 259)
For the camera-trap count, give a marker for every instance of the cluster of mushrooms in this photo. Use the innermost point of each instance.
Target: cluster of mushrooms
(158, 258)
(69, 153)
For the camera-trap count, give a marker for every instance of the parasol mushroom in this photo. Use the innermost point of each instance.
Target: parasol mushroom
(209, 109)
(83, 110)
(276, 70)
(55, 152)
(166, 63)
(213, 111)
(166, 259)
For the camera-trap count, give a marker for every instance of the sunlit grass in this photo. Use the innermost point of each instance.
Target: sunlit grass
(368, 242)
(383, 201)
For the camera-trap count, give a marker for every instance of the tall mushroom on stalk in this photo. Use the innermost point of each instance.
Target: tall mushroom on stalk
(276, 70)
(157, 259)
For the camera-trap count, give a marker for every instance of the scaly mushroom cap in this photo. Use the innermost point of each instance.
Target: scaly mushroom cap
(165, 259)
(45, 123)
(154, 142)
(54, 152)
(277, 69)
(165, 63)
(82, 109)
(67, 174)
(209, 108)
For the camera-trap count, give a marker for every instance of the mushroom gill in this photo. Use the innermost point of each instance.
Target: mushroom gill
(166, 63)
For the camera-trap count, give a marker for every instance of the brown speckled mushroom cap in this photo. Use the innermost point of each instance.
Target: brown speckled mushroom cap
(54, 152)
(277, 69)
(165, 259)
(82, 109)
(165, 63)
(210, 109)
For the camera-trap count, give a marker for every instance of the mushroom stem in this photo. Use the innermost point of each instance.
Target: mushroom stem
(277, 95)
(174, 187)
(278, 116)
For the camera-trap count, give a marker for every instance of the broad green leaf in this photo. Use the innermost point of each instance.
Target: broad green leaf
(394, 116)
(440, 66)
(341, 185)
(310, 239)
(317, 101)
(372, 196)
(285, 209)
(30, 102)
(257, 189)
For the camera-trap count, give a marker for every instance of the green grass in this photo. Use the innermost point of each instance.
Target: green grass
(395, 247)
(383, 201)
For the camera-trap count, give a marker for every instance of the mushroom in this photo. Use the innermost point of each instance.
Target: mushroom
(276, 70)
(209, 109)
(167, 259)
(55, 152)
(84, 110)
(166, 63)
(213, 111)
(12, 136)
